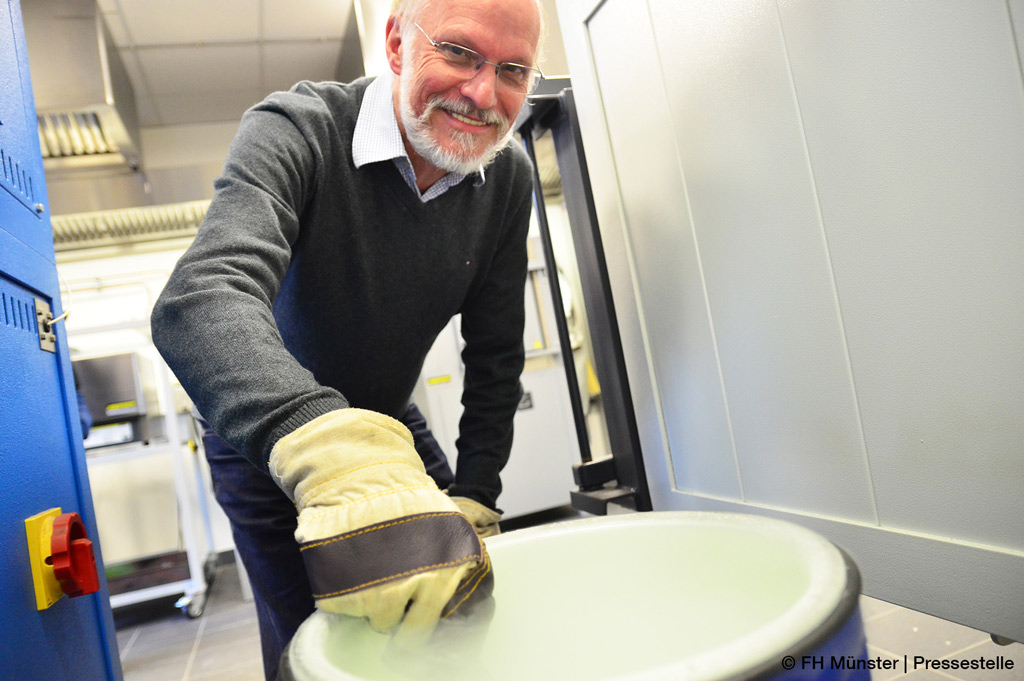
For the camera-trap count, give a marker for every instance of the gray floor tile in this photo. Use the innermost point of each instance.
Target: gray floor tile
(871, 608)
(986, 653)
(225, 655)
(231, 618)
(126, 641)
(926, 675)
(250, 669)
(154, 653)
(907, 632)
(161, 643)
(125, 635)
(172, 625)
(154, 669)
(247, 633)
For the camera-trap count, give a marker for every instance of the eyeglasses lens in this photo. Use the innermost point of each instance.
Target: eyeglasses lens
(468, 62)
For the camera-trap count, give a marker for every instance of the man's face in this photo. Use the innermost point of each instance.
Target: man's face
(457, 123)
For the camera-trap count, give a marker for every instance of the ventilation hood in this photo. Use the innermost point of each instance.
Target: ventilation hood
(85, 103)
(127, 225)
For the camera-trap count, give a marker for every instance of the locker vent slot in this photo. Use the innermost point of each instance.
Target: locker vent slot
(15, 177)
(18, 313)
(128, 225)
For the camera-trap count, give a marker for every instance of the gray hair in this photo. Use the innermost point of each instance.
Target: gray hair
(411, 10)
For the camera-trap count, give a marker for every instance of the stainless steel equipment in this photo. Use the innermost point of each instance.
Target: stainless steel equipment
(84, 100)
(120, 393)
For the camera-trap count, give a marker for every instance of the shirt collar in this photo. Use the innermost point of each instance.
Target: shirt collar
(377, 138)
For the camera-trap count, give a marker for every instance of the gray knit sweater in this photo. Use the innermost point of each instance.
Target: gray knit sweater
(313, 285)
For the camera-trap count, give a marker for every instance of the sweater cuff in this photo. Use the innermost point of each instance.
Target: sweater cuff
(300, 417)
(482, 494)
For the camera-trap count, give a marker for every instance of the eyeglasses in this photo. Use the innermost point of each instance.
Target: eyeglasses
(467, 62)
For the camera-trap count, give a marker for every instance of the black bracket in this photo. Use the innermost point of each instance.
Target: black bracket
(592, 475)
(621, 478)
(44, 322)
(596, 501)
(595, 491)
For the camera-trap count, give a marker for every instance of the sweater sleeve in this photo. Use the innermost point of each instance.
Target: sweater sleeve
(492, 327)
(213, 323)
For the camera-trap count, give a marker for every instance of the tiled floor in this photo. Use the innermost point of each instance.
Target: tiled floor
(157, 643)
(896, 633)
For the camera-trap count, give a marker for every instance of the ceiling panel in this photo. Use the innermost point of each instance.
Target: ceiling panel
(174, 70)
(160, 22)
(223, 54)
(222, 106)
(287, 19)
(284, 64)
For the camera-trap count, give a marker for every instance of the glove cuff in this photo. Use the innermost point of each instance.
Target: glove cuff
(335, 444)
(484, 520)
(389, 551)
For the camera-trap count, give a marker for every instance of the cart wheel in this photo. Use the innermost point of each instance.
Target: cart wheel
(194, 610)
(192, 605)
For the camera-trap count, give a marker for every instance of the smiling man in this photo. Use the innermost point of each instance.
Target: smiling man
(351, 223)
(454, 113)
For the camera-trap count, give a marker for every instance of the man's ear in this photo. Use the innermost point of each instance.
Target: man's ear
(393, 44)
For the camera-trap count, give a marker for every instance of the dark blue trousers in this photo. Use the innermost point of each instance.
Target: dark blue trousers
(263, 522)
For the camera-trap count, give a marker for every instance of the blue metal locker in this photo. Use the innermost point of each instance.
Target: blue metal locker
(42, 462)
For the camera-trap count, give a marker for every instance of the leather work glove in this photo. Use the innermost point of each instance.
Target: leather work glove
(378, 538)
(483, 519)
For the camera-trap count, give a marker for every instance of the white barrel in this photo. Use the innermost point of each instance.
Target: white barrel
(644, 597)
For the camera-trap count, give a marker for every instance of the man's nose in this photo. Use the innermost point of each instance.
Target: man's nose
(482, 88)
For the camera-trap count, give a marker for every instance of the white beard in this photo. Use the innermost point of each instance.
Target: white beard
(462, 158)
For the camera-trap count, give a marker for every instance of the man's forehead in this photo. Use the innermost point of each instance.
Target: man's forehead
(519, 15)
(514, 20)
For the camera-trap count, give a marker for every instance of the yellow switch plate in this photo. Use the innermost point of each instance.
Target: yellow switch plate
(39, 529)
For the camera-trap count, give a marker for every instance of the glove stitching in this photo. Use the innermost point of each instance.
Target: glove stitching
(475, 576)
(401, 575)
(301, 501)
(479, 575)
(366, 530)
(367, 497)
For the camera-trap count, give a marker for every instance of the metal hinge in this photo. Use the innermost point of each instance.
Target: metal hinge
(44, 320)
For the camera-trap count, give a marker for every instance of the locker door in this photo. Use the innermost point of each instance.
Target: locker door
(42, 462)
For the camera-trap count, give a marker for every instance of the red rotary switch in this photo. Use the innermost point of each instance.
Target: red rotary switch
(73, 562)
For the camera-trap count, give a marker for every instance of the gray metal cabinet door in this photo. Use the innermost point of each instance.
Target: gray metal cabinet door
(814, 212)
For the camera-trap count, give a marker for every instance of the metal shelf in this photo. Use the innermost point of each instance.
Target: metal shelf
(194, 588)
